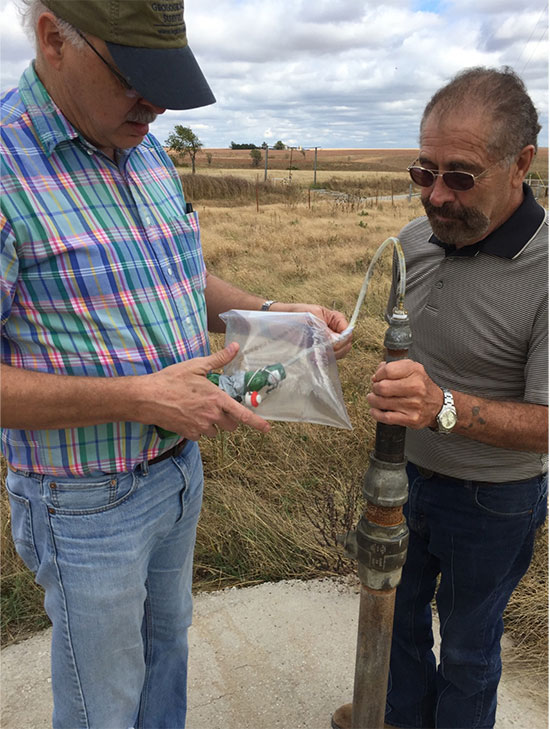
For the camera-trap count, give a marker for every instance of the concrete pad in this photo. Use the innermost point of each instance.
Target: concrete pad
(276, 656)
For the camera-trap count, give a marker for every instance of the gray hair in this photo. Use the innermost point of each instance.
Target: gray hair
(503, 95)
(31, 10)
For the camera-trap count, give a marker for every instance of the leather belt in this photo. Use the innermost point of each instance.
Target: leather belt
(427, 473)
(171, 453)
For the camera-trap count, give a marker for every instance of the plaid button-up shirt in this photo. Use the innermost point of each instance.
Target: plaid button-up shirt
(102, 275)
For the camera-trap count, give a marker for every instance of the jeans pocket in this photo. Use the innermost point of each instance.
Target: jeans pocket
(21, 529)
(85, 495)
(509, 499)
(189, 465)
(542, 506)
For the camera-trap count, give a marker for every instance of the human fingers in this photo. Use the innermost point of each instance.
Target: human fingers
(397, 370)
(389, 417)
(233, 414)
(335, 320)
(337, 324)
(218, 359)
(343, 347)
(411, 406)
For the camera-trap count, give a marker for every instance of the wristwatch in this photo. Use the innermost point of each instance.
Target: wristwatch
(266, 305)
(446, 418)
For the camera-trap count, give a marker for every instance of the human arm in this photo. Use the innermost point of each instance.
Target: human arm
(403, 394)
(222, 296)
(178, 398)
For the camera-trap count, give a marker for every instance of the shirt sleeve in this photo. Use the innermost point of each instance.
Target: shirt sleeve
(536, 367)
(9, 267)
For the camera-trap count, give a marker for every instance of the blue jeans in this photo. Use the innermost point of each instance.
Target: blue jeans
(114, 554)
(479, 539)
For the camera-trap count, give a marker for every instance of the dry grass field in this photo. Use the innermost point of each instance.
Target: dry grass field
(359, 172)
(274, 505)
(373, 160)
(340, 161)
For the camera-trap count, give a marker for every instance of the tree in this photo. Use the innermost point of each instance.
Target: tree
(184, 141)
(256, 157)
(244, 145)
(279, 145)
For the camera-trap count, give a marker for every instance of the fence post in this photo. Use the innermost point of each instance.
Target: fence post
(315, 168)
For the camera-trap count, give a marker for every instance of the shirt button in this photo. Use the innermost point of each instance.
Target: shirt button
(439, 285)
(148, 220)
(169, 271)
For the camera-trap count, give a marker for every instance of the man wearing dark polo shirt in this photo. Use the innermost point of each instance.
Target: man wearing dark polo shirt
(473, 396)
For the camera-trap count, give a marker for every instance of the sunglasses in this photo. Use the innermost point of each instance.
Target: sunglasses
(128, 86)
(460, 181)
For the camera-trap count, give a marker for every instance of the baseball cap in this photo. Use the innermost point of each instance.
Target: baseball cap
(148, 42)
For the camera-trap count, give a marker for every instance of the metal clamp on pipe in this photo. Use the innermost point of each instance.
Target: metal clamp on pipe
(381, 553)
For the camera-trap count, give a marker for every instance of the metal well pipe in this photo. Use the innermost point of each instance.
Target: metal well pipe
(380, 546)
(372, 657)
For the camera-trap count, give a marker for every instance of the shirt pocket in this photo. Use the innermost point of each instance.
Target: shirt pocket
(184, 251)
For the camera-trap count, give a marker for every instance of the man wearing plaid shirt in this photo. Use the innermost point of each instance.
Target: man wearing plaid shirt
(105, 308)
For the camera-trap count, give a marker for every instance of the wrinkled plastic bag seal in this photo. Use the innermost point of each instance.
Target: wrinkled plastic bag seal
(302, 343)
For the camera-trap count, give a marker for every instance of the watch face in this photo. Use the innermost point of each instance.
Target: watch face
(447, 419)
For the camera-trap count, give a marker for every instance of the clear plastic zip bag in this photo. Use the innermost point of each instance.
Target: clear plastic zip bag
(285, 368)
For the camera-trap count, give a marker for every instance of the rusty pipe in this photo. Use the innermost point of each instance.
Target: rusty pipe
(380, 546)
(372, 658)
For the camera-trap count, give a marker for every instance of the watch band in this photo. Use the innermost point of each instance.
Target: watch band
(267, 304)
(446, 418)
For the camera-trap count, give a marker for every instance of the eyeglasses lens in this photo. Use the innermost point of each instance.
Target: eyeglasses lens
(460, 181)
(421, 177)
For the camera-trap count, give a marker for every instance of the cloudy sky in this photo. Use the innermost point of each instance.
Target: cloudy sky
(335, 73)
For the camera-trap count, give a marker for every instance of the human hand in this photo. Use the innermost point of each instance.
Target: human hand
(334, 320)
(182, 400)
(403, 394)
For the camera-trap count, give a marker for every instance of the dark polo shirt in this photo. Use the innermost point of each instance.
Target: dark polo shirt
(479, 319)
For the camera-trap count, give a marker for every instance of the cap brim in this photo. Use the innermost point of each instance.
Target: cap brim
(169, 78)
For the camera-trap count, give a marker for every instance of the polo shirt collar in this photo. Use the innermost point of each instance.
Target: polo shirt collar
(511, 238)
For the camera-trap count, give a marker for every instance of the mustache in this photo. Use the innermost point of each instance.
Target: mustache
(141, 116)
(462, 222)
(447, 210)
(472, 218)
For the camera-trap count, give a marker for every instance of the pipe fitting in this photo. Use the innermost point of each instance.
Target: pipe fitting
(385, 483)
(398, 335)
(349, 543)
(381, 553)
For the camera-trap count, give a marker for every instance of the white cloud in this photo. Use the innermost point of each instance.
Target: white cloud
(352, 73)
